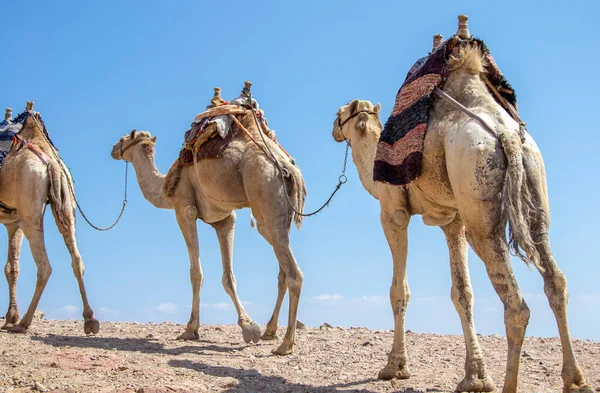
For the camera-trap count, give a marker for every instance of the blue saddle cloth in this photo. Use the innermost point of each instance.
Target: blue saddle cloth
(8, 130)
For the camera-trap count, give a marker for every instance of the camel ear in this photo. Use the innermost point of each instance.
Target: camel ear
(377, 108)
(353, 106)
(153, 139)
(132, 135)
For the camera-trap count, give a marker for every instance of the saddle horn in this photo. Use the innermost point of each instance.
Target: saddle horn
(8, 114)
(437, 41)
(463, 27)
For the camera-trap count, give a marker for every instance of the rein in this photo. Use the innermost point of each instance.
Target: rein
(69, 177)
(283, 171)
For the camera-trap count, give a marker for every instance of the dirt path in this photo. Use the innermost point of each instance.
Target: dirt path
(144, 358)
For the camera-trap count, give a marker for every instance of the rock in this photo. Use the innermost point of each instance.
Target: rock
(150, 335)
(39, 314)
(38, 387)
(122, 368)
(325, 325)
(526, 354)
(408, 331)
(300, 325)
(367, 343)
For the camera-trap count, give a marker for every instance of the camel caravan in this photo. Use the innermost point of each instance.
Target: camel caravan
(454, 150)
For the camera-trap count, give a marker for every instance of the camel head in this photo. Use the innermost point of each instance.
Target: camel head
(355, 120)
(122, 150)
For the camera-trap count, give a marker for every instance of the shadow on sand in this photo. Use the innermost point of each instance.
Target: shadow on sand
(251, 381)
(144, 345)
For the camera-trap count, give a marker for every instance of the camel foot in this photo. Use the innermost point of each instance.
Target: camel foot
(91, 326)
(283, 350)
(7, 326)
(472, 384)
(251, 332)
(390, 372)
(583, 388)
(187, 335)
(17, 329)
(269, 336)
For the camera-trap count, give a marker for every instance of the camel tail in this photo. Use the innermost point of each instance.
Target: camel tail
(61, 198)
(297, 192)
(519, 207)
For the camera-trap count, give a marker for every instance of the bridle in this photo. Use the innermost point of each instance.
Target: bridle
(342, 123)
(132, 144)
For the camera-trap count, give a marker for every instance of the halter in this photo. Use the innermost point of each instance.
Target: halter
(341, 123)
(132, 144)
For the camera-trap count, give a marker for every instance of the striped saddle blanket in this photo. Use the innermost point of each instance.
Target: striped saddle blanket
(400, 148)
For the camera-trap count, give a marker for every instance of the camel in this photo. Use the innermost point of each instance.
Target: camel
(469, 180)
(211, 190)
(32, 176)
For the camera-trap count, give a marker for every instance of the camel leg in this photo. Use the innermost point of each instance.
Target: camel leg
(476, 377)
(11, 271)
(67, 229)
(34, 231)
(271, 330)
(225, 228)
(555, 287)
(186, 218)
(277, 234)
(396, 233)
(491, 247)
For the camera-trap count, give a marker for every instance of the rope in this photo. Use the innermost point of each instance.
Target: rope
(341, 180)
(69, 177)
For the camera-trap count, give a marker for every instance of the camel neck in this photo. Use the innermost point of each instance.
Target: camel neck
(363, 156)
(151, 181)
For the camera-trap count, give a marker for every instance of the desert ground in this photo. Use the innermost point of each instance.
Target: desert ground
(56, 356)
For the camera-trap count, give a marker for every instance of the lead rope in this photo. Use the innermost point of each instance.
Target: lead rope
(69, 177)
(341, 180)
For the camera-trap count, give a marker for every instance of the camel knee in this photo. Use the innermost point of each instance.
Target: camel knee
(555, 288)
(462, 297)
(399, 297)
(11, 271)
(294, 281)
(78, 267)
(516, 318)
(281, 285)
(196, 276)
(44, 272)
(229, 282)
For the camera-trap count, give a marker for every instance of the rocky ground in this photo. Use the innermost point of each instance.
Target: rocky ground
(55, 356)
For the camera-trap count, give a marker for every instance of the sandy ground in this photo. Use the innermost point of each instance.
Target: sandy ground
(55, 356)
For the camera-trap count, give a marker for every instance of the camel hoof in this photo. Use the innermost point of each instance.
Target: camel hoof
(390, 372)
(7, 326)
(584, 388)
(251, 332)
(17, 329)
(283, 350)
(473, 384)
(91, 326)
(268, 336)
(187, 335)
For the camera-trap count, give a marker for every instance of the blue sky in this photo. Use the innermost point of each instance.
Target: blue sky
(96, 70)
